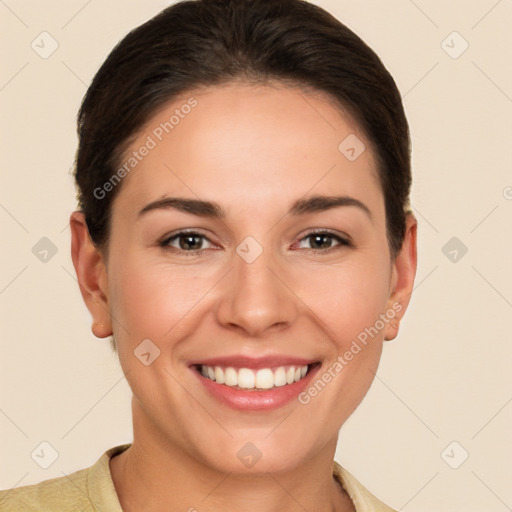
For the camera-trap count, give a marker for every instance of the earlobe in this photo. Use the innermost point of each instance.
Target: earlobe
(404, 272)
(91, 274)
(392, 330)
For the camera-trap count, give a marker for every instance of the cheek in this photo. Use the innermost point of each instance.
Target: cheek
(348, 303)
(149, 299)
(347, 298)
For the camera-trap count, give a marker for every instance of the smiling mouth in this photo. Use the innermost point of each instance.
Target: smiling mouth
(262, 379)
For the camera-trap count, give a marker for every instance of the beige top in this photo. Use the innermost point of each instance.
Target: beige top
(92, 490)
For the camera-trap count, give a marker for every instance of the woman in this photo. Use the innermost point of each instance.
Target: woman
(244, 235)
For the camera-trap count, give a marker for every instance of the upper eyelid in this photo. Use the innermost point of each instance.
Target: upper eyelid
(342, 236)
(341, 239)
(191, 231)
(327, 231)
(177, 234)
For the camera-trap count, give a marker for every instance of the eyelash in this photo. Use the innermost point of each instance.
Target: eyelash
(342, 242)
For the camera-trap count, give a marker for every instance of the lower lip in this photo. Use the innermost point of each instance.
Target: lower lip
(251, 400)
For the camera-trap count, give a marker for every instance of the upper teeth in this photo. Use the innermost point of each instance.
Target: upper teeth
(245, 378)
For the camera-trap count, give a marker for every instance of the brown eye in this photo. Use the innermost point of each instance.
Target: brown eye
(322, 241)
(190, 242)
(186, 241)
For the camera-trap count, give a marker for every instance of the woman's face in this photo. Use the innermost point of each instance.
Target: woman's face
(268, 276)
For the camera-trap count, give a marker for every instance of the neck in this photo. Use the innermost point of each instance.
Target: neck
(155, 475)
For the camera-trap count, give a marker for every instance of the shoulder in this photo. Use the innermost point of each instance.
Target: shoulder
(363, 500)
(86, 490)
(69, 491)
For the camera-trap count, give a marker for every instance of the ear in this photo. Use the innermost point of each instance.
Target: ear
(92, 275)
(402, 278)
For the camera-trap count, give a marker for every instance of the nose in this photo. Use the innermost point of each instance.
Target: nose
(256, 298)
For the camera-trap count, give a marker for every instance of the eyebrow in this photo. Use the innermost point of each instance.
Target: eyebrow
(210, 209)
(193, 206)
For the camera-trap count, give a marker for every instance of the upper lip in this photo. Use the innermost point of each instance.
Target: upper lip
(239, 361)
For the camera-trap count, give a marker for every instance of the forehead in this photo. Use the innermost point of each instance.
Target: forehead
(241, 141)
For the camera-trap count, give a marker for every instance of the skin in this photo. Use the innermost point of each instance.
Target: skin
(254, 150)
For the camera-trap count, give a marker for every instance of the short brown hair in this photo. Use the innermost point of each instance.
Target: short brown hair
(198, 43)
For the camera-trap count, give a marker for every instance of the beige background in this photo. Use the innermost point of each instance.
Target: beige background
(447, 377)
